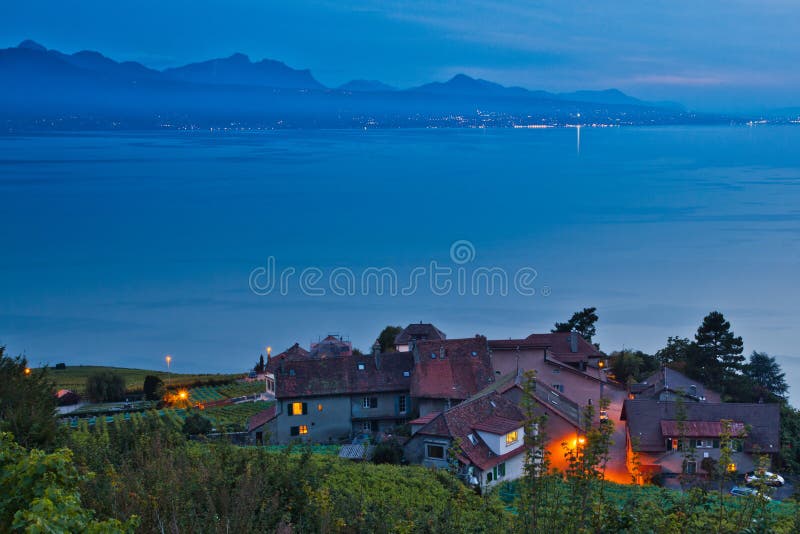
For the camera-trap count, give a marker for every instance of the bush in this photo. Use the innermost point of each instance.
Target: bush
(195, 424)
(388, 452)
(105, 386)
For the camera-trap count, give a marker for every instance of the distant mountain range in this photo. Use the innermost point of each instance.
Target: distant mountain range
(41, 84)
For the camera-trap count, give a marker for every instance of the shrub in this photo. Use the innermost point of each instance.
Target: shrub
(195, 424)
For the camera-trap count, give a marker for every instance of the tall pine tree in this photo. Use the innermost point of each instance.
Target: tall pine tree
(719, 351)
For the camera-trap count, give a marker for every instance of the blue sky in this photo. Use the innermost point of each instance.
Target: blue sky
(714, 55)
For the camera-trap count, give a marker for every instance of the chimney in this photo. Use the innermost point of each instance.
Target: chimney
(376, 353)
(573, 341)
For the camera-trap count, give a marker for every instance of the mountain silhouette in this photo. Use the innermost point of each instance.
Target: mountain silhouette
(239, 70)
(87, 86)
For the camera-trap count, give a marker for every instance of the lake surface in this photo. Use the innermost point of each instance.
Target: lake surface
(119, 248)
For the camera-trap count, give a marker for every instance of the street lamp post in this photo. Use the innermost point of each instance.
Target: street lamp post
(169, 378)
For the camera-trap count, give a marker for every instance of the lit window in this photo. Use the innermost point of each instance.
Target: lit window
(319, 407)
(435, 452)
(303, 429)
(731, 468)
(297, 408)
(511, 437)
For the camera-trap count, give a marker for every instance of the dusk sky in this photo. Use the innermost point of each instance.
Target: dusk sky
(710, 55)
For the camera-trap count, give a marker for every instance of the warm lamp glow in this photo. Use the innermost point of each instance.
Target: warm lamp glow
(183, 394)
(27, 370)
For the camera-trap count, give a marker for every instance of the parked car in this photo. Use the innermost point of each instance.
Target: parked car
(770, 479)
(744, 491)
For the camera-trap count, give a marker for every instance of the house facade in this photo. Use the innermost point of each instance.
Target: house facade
(662, 437)
(483, 435)
(333, 396)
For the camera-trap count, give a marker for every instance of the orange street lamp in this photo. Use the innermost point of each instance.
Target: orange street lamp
(183, 394)
(27, 371)
(169, 360)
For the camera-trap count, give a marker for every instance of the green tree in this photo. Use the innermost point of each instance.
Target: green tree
(581, 322)
(105, 386)
(27, 403)
(636, 364)
(39, 493)
(677, 351)
(195, 424)
(719, 351)
(153, 388)
(387, 336)
(766, 374)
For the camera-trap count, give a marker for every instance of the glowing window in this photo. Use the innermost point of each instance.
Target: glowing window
(303, 429)
(511, 437)
(319, 407)
(297, 408)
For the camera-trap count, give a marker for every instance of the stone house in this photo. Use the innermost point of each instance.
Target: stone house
(664, 442)
(338, 396)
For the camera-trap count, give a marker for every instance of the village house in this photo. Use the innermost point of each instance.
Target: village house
(417, 332)
(331, 394)
(662, 439)
(484, 435)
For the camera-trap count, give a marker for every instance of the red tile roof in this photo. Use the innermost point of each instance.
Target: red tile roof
(425, 419)
(557, 343)
(295, 352)
(261, 418)
(341, 375)
(464, 419)
(451, 369)
(700, 429)
(496, 424)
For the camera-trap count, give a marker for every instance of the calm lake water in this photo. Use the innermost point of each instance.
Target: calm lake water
(119, 248)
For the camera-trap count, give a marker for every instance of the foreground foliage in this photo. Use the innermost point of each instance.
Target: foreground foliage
(150, 470)
(39, 493)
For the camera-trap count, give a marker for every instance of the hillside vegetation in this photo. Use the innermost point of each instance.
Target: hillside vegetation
(74, 377)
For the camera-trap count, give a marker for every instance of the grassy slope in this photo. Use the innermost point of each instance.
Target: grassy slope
(74, 377)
